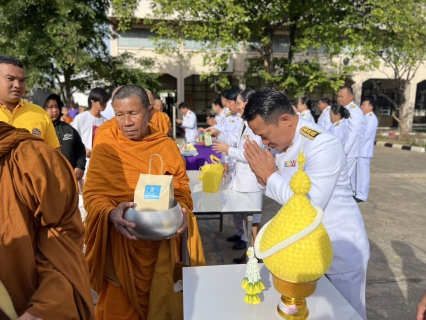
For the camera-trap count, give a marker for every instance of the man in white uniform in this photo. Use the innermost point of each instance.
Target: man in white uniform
(189, 122)
(269, 114)
(324, 119)
(361, 178)
(345, 97)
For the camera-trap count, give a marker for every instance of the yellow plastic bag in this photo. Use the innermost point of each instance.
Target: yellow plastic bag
(211, 175)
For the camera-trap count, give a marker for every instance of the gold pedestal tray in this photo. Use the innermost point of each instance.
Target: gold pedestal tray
(293, 300)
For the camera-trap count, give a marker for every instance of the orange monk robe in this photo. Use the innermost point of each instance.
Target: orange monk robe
(41, 232)
(161, 121)
(144, 269)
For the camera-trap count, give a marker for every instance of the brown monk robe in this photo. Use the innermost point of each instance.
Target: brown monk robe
(41, 232)
(134, 279)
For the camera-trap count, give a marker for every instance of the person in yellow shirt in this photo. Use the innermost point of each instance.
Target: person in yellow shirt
(17, 112)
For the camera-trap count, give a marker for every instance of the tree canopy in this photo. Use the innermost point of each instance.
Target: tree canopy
(61, 43)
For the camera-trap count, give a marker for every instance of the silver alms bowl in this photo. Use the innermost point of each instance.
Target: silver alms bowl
(154, 225)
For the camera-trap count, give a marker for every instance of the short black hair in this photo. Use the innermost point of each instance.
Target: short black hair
(218, 102)
(306, 101)
(372, 103)
(132, 90)
(338, 109)
(11, 60)
(269, 104)
(232, 94)
(98, 95)
(325, 100)
(183, 105)
(246, 94)
(349, 89)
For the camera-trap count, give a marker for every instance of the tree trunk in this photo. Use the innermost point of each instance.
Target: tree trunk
(406, 116)
(67, 84)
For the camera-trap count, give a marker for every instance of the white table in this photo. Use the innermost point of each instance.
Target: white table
(212, 293)
(222, 202)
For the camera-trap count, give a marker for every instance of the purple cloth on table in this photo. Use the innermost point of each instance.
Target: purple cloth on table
(194, 163)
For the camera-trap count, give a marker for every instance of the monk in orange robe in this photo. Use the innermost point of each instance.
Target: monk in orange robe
(41, 233)
(134, 279)
(159, 119)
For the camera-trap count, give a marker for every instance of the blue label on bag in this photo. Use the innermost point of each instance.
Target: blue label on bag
(152, 192)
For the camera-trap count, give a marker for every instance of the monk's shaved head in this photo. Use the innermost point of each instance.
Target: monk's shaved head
(133, 111)
(158, 104)
(115, 91)
(127, 91)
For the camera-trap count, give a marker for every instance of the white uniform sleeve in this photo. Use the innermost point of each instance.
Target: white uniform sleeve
(325, 161)
(368, 130)
(354, 128)
(190, 121)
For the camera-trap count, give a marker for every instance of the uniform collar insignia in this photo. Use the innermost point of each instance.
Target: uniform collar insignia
(371, 114)
(352, 106)
(228, 114)
(337, 123)
(309, 133)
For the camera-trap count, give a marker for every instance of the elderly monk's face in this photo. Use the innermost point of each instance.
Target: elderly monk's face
(132, 117)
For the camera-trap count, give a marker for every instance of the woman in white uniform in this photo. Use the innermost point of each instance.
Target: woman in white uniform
(304, 108)
(243, 179)
(339, 127)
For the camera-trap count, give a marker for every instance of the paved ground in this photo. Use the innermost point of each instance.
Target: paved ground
(395, 218)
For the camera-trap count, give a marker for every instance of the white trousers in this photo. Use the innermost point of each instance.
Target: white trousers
(351, 286)
(361, 178)
(351, 164)
(257, 198)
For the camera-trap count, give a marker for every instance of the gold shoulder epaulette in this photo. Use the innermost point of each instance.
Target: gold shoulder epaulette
(309, 133)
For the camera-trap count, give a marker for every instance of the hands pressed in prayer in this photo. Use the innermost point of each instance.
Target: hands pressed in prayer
(183, 227)
(220, 147)
(262, 163)
(121, 225)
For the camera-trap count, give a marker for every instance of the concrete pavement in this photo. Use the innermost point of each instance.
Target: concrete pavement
(395, 218)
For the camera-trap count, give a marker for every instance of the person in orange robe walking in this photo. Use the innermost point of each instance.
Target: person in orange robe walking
(42, 266)
(134, 279)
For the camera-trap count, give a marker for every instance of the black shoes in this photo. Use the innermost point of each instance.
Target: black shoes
(240, 245)
(358, 200)
(234, 238)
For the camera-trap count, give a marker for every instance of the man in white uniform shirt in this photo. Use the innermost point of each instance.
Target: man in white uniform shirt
(324, 119)
(361, 178)
(345, 97)
(270, 115)
(189, 122)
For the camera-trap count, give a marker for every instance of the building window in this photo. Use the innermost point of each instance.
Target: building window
(136, 38)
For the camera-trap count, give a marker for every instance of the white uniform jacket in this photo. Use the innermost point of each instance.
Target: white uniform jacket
(340, 130)
(354, 130)
(324, 119)
(331, 191)
(244, 179)
(230, 129)
(307, 115)
(220, 119)
(368, 135)
(190, 125)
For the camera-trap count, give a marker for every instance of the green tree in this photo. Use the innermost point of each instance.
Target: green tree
(224, 26)
(392, 33)
(62, 43)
